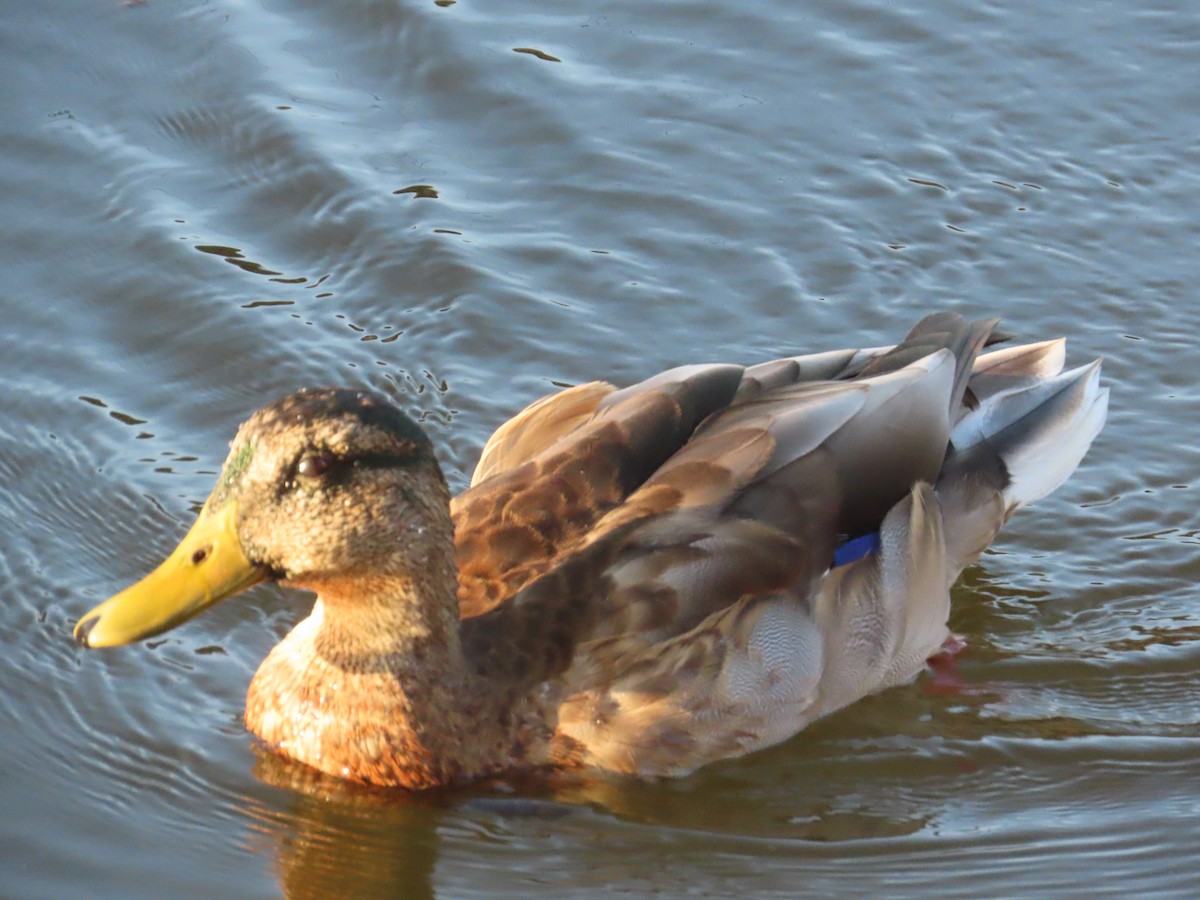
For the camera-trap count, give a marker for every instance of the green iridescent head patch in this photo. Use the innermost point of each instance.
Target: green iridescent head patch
(231, 475)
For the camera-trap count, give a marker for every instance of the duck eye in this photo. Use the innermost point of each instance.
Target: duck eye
(314, 465)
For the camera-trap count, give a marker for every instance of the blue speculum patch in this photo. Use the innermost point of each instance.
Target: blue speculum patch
(856, 548)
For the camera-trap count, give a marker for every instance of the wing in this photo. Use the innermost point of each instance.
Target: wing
(548, 478)
(678, 499)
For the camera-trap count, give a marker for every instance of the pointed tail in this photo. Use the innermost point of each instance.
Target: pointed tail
(1026, 427)
(1040, 421)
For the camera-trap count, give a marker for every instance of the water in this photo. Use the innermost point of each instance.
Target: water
(206, 205)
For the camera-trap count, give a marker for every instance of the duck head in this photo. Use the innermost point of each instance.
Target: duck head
(320, 487)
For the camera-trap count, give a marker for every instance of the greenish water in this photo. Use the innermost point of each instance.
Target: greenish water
(206, 205)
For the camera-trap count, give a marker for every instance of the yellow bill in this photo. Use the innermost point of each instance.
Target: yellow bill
(207, 566)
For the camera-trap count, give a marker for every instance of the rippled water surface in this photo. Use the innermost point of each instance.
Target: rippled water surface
(464, 204)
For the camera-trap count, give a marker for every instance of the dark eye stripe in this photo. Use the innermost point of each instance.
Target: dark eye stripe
(400, 458)
(319, 464)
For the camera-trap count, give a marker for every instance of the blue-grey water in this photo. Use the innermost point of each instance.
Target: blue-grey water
(205, 205)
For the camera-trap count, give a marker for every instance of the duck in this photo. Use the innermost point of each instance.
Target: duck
(640, 580)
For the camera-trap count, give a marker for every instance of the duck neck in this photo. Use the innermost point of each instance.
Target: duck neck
(373, 685)
(398, 609)
(399, 623)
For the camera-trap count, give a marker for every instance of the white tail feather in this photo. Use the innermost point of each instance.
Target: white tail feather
(1041, 360)
(1041, 428)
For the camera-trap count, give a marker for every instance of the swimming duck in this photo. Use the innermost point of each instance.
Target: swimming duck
(642, 580)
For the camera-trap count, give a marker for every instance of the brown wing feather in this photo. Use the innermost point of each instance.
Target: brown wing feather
(537, 427)
(692, 493)
(512, 527)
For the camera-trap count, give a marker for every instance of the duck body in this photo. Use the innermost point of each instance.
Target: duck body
(641, 580)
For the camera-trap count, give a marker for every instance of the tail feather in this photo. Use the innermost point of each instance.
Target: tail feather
(1041, 427)
(938, 331)
(1041, 360)
(1011, 369)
